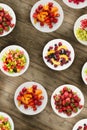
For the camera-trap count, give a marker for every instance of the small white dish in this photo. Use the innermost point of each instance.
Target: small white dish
(80, 123)
(14, 47)
(77, 25)
(45, 28)
(11, 12)
(57, 91)
(52, 43)
(75, 6)
(30, 111)
(9, 119)
(83, 73)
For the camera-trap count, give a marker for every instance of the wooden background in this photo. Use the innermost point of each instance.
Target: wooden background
(34, 41)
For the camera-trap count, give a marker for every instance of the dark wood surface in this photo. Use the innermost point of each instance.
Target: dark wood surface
(34, 41)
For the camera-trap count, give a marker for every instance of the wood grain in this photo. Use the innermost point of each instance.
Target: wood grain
(34, 41)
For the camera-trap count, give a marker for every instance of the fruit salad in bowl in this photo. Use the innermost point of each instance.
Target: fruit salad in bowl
(7, 19)
(80, 29)
(58, 54)
(6, 123)
(76, 4)
(14, 60)
(30, 98)
(84, 73)
(81, 125)
(46, 15)
(67, 101)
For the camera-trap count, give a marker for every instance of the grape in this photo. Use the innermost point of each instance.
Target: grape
(81, 34)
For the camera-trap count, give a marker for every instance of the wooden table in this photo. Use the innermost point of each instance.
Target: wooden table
(34, 41)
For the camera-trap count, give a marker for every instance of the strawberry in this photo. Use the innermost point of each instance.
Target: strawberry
(8, 17)
(19, 98)
(60, 110)
(75, 109)
(66, 94)
(65, 88)
(67, 100)
(6, 28)
(12, 25)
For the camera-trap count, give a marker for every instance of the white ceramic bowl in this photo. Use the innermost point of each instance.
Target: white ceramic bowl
(14, 47)
(52, 43)
(75, 6)
(83, 73)
(30, 111)
(9, 119)
(80, 123)
(57, 91)
(45, 28)
(77, 25)
(11, 12)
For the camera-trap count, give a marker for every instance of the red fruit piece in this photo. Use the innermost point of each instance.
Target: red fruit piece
(0, 19)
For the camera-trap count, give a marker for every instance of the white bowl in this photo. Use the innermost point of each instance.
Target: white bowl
(52, 43)
(9, 119)
(30, 111)
(75, 6)
(11, 12)
(57, 91)
(14, 47)
(77, 25)
(80, 123)
(45, 28)
(84, 75)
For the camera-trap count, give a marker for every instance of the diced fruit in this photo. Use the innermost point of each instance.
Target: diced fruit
(30, 97)
(14, 61)
(58, 55)
(4, 123)
(46, 15)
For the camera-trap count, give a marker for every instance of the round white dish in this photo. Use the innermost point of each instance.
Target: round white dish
(12, 13)
(30, 111)
(77, 25)
(52, 43)
(14, 47)
(45, 28)
(57, 91)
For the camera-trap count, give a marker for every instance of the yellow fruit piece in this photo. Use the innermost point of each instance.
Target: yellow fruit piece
(55, 62)
(62, 47)
(50, 52)
(64, 56)
(54, 9)
(35, 21)
(46, 7)
(41, 17)
(38, 92)
(30, 89)
(28, 96)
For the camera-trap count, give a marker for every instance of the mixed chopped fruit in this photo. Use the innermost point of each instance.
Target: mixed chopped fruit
(82, 127)
(4, 123)
(47, 14)
(67, 101)
(5, 21)
(14, 61)
(81, 32)
(58, 55)
(76, 1)
(31, 97)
